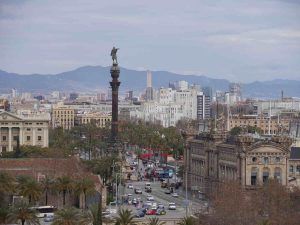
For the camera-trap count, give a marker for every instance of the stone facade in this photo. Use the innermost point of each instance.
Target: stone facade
(63, 116)
(100, 119)
(211, 159)
(29, 130)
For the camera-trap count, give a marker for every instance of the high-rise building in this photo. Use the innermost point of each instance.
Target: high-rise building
(129, 95)
(14, 93)
(203, 106)
(149, 89)
(149, 79)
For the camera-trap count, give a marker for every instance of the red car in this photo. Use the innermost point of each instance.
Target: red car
(151, 212)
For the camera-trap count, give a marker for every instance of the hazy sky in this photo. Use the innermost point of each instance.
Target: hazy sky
(240, 40)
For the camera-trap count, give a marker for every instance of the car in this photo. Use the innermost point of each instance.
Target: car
(137, 191)
(134, 201)
(175, 195)
(172, 206)
(148, 190)
(160, 212)
(168, 192)
(160, 206)
(151, 211)
(150, 198)
(129, 195)
(147, 205)
(140, 213)
(130, 186)
(49, 218)
(154, 205)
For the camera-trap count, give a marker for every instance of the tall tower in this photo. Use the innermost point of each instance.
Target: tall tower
(115, 83)
(149, 89)
(149, 79)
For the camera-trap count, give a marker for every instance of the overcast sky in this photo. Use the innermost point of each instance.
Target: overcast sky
(240, 40)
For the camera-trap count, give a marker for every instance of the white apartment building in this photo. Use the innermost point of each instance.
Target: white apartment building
(170, 107)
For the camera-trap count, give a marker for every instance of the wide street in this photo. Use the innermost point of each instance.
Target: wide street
(159, 195)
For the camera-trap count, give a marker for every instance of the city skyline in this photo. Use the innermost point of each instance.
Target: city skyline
(243, 42)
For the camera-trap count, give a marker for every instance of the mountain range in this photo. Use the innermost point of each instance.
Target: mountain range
(96, 78)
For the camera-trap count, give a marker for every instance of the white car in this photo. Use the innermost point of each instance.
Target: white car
(172, 206)
(161, 206)
(130, 186)
(150, 198)
(148, 203)
(154, 205)
(175, 195)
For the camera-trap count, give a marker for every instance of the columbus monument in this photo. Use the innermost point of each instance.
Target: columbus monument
(115, 145)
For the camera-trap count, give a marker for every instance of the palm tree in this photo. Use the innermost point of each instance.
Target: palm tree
(67, 216)
(124, 217)
(23, 213)
(187, 221)
(47, 186)
(64, 185)
(84, 186)
(30, 188)
(154, 221)
(6, 185)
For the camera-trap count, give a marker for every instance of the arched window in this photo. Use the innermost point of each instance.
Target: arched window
(254, 174)
(277, 174)
(266, 174)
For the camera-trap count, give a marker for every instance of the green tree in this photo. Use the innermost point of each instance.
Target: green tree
(29, 188)
(124, 217)
(235, 131)
(69, 216)
(23, 213)
(64, 185)
(154, 221)
(4, 215)
(187, 221)
(84, 186)
(47, 185)
(6, 186)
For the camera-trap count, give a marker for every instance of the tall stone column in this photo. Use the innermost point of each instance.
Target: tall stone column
(115, 72)
(33, 137)
(9, 140)
(46, 136)
(21, 136)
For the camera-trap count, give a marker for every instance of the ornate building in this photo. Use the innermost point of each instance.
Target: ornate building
(211, 159)
(100, 119)
(63, 116)
(29, 130)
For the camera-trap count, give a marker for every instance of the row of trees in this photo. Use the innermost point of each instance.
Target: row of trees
(23, 213)
(29, 188)
(152, 136)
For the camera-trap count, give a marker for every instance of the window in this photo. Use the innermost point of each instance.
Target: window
(3, 148)
(298, 169)
(254, 159)
(277, 159)
(39, 129)
(265, 176)
(28, 129)
(4, 138)
(28, 138)
(291, 169)
(266, 160)
(15, 138)
(39, 138)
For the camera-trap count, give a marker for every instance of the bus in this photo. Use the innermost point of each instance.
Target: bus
(44, 211)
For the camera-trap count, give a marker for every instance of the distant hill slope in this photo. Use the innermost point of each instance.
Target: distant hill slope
(92, 78)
